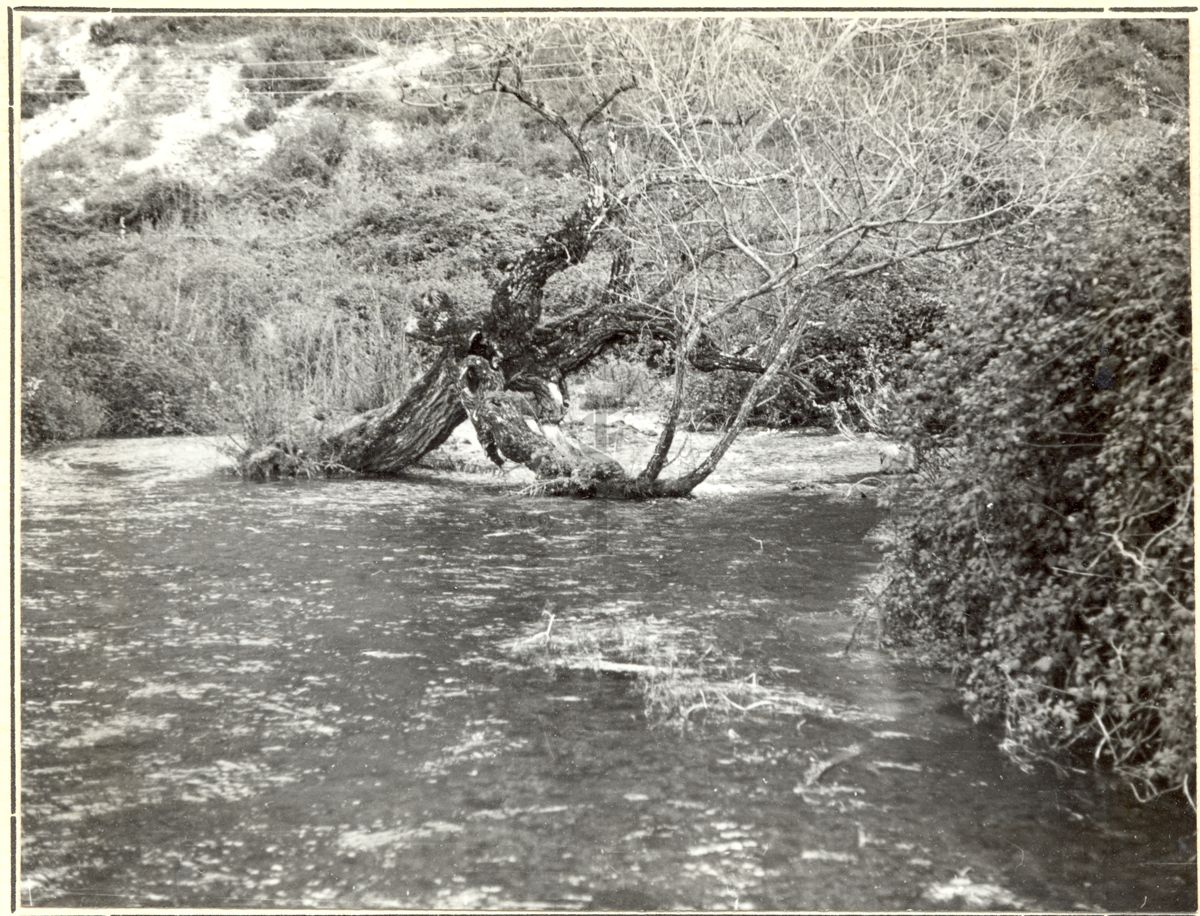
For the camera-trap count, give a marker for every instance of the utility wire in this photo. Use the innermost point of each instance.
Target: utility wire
(204, 80)
(434, 88)
(544, 65)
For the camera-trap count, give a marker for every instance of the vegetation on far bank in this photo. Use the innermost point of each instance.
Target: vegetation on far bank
(280, 294)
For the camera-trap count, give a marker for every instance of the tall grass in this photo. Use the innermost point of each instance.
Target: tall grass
(276, 301)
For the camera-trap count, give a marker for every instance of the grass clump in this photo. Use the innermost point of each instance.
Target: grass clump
(681, 683)
(611, 643)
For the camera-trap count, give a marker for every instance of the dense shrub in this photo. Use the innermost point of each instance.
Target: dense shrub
(161, 388)
(63, 251)
(52, 412)
(334, 37)
(1047, 543)
(260, 117)
(151, 30)
(313, 153)
(39, 94)
(297, 61)
(846, 363)
(151, 201)
(1134, 67)
(95, 363)
(474, 214)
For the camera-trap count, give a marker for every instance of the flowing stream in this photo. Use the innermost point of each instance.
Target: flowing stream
(299, 695)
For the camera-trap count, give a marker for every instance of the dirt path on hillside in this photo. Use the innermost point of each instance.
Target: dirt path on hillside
(193, 121)
(104, 73)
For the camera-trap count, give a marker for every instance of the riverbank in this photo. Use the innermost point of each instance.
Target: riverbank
(808, 460)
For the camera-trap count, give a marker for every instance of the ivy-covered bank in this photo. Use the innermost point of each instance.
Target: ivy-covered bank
(1046, 545)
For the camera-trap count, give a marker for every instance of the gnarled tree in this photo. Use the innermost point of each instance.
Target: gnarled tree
(740, 176)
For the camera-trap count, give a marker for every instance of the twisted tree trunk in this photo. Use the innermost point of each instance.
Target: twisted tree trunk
(390, 438)
(527, 355)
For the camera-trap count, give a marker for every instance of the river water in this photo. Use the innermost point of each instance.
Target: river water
(299, 695)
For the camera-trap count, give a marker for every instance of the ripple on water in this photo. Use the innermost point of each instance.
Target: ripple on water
(306, 694)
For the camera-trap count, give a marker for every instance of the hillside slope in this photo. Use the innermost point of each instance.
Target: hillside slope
(229, 220)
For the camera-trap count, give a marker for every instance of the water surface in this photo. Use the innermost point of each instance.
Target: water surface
(297, 695)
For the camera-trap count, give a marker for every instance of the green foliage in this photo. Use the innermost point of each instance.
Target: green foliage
(333, 37)
(260, 117)
(295, 270)
(111, 362)
(62, 251)
(155, 30)
(151, 201)
(52, 412)
(1046, 546)
(506, 139)
(161, 388)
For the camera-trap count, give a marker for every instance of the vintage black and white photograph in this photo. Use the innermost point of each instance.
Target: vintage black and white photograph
(605, 460)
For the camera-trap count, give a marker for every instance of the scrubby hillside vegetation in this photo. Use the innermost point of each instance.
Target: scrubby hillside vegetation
(213, 250)
(230, 222)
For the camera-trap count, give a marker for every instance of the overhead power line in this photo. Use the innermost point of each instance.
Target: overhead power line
(48, 85)
(442, 88)
(1007, 27)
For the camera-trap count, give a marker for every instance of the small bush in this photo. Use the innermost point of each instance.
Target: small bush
(39, 94)
(106, 33)
(312, 154)
(1046, 547)
(154, 202)
(260, 117)
(53, 412)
